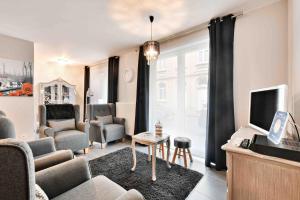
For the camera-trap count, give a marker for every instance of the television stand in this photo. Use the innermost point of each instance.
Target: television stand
(252, 175)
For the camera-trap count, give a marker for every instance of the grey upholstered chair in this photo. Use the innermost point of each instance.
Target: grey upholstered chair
(69, 180)
(76, 138)
(44, 152)
(104, 133)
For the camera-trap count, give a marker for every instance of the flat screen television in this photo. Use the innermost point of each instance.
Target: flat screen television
(263, 105)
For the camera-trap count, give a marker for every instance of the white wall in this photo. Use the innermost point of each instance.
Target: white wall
(127, 90)
(294, 52)
(18, 109)
(260, 54)
(48, 71)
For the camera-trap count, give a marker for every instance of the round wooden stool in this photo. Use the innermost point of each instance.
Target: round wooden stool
(182, 144)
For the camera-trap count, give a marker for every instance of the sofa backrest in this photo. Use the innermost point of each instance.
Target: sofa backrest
(100, 110)
(58, 111)
(7, 128)
(2, 113)
(16, 170)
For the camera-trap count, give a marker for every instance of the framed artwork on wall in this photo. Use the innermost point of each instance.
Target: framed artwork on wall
(16, 78)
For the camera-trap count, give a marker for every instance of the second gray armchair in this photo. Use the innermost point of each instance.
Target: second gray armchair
(61, 121)
(104, 125)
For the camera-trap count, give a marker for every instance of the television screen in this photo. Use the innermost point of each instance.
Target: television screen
(264, 105)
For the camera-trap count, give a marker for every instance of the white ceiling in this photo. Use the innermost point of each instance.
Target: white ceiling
(86, 31)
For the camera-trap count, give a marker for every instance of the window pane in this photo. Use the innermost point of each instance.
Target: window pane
(178, 94)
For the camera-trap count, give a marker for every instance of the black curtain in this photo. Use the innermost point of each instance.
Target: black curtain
(142, 95)
(113, 76)
(220, 119)
(86, 87)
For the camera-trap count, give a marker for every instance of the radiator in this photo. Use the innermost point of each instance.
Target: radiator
(127, 111)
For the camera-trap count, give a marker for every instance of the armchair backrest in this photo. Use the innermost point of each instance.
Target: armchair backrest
(58, 111)
(100, 110)
(16, 170)
(7, 128)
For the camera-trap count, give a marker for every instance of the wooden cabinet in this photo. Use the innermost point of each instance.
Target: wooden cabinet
(57, 92)
(253, 176)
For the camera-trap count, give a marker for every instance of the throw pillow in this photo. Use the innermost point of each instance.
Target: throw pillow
(39, 193)
(105, 119)
(62, 124)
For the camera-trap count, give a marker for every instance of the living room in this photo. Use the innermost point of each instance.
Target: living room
(129, 99)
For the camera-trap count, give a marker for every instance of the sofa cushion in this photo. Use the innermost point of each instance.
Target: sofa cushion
(98, 188)
(60, 111)
(105, 119)
(71, 139)
(62, 124)
(50, 159)
(113, 132)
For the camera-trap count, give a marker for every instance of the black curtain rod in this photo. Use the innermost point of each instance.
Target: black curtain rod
(194, 29)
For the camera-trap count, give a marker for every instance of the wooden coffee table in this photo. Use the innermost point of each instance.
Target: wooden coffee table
(150, 139)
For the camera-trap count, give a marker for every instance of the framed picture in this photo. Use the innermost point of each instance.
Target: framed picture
(16, 78)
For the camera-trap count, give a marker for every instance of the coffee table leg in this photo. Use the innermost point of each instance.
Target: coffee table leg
(133, 155)
(168, 153)
(154, 162)
(149, 153)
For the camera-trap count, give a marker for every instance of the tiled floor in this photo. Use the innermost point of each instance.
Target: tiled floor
(211, 187)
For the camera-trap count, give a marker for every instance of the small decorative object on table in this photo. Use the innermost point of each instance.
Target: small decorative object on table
(158, 128)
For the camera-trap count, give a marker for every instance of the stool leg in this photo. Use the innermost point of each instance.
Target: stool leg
(149, 153)
(179, 154)
(184, 156)
(162, 151)
(175, 154)
(190, 154)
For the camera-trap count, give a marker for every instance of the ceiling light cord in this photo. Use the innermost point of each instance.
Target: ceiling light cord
(151, 21)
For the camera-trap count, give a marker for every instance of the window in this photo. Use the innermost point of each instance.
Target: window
(162, 91)
(178, 94)
(98, 83)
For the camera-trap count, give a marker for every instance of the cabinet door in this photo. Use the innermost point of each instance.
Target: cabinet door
(68, 94)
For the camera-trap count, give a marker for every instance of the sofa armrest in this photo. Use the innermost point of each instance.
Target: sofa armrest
(83, 126)
(47, 131)
(96, 123)
(42, 146)
(131, 195)
(63, 177)
(118, 120)
(51, 159)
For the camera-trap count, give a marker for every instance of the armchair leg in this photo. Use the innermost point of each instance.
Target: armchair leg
(103, 145)
(92, 143)
(86, 150)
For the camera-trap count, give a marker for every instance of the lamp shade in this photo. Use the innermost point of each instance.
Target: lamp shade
(151, 50)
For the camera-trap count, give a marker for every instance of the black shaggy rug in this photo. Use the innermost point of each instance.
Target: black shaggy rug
(174, 183)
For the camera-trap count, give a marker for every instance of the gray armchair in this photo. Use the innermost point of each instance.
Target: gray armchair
(69, 180)
(75, 138)
(44, 152)
(104, 132)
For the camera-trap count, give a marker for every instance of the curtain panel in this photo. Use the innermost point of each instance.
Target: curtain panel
(86, 87)
(220, 118)
(113, 76)
(142, 95)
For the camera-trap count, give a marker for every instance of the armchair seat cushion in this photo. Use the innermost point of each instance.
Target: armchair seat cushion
(98, 188)
(71, 139)
(113, 132)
